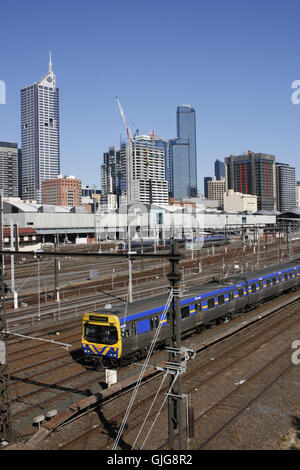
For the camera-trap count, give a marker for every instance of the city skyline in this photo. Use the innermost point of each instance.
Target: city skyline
(248, 107)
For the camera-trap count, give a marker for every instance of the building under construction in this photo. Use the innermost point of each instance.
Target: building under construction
(143, 162)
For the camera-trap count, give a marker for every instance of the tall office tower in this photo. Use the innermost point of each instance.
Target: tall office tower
(40, 135)
(9, 172)
(219, 169)
(146, 170)
(285, 187)
(183, 155)
(253, 173)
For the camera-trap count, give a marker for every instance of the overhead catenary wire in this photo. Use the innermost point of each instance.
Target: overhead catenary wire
(136, 389)
(149, 411)
(161, 407)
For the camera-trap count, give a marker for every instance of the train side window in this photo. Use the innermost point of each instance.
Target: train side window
(127, 333)
(274, 281)
(253, 288)
(199, 306)
(268, 282)
(185, 312)
(261, 284)
(133, 329)
(290, 275)
(230, 296)
(285, 276)
(279, 278)
(241, 292)
(221, 299)
(151, 323)
(211, 303)
(156, 322)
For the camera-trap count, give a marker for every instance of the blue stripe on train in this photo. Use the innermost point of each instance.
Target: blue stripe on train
(202, 297)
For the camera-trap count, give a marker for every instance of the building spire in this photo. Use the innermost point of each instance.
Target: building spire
(50, 62)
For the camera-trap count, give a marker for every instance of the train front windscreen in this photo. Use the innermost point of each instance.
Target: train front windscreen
(100, 334)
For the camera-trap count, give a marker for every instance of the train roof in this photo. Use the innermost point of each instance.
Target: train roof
(156, 303)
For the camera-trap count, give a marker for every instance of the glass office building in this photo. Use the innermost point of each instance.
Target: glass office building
(39, 135)
(285, 187)
(183, 155)
(219, 169)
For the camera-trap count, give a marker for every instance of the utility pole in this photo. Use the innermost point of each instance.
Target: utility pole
(129, 263)
(290, 242)
(5, 404)
(175, 400)
(56, 289)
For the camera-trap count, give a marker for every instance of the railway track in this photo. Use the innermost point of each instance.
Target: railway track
(271, 325)
(107, 292)
(228, 402)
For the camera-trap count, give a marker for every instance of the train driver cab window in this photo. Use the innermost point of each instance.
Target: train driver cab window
(221, 299)
(102, 334)
(185, 312)
(211, 303)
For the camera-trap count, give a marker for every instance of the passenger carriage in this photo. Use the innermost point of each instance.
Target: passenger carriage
(115, 335)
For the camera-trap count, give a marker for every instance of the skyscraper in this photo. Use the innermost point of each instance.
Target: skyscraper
(285, 187)
(148, 183)
(39, 134)
(219, 169)
(183, 154)
(253, 173)
(9, 174)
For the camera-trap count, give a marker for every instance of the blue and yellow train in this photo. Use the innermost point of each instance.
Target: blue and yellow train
(115, 337)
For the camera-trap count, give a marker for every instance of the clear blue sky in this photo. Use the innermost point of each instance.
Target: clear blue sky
(234, 61)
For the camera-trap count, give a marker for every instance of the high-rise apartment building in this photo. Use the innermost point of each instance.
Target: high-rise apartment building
(39, 134)
(219, 169)
(111, 172)
(285, 187)
(146, 171)
(183, 155)
(253, 173)
(9, 169)
(142, 171)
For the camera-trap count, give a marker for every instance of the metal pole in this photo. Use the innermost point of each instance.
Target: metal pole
(39, 289)
(6, 431)
(129, 266)
(175, 405)
(56, 289)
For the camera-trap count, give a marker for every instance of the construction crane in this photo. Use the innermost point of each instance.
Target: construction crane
(129, 133)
